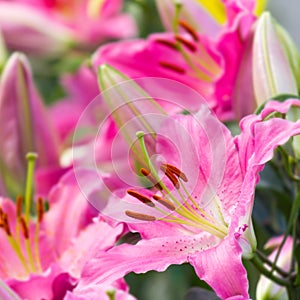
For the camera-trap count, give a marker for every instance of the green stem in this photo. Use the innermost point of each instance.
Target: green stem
(292, 220)
(294, 235)
(292, 293)
(269, 274)
(266, 260)
(31, 158)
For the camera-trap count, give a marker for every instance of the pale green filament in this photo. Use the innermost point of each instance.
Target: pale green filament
(36, 247)
(18, 251)
(18, 231)
(29, 253)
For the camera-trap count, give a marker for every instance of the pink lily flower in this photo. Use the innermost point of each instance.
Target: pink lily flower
(266, 289)
(52, 27)
(199, 210)
(25, 126)
(209, 64)
(43, 257)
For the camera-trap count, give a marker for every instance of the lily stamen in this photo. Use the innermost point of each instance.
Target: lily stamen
(172, 67)
(19, 210)
(165, 202)
(25, 231)
(201, 62)
(24, 228)
(189, 29)
(19, 206)
(171, 176)
(185, 42)
(176, 171)
(167, 43)
(188, 214)
(40, 215)
(139, 216)
(4, 222)
(142, 198)
(148, 175)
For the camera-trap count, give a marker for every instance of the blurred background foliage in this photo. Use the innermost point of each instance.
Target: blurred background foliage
(273, 194)
(47, 72)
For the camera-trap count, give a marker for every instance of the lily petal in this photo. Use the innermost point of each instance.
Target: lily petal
(146, 255)
(260, 137)
(97, 237)
(213, 264)
(66, 202)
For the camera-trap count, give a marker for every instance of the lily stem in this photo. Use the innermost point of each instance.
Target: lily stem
(269, 274)
(266, 260)
(291, 222)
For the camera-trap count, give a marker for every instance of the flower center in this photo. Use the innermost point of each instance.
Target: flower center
(201, 64)
(24, 241)
(177, 206)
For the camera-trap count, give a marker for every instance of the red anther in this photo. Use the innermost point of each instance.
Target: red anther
(172, 67)
(189, 29)
(40, 209)
(24, 228)
(167, 43)
(171, 176)
(176, 171)
(144, 199)
(147, 174)
(19, 206)
(165, 202)
(188, 44)
(5, 224)
(139, 216)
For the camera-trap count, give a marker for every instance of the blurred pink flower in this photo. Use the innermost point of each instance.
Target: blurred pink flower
(50, 27)
(44, 258)
(207, 62)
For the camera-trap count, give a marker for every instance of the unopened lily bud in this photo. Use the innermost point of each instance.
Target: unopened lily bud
(24, 126)
(272, 72)
(123, 109)
(292, 52)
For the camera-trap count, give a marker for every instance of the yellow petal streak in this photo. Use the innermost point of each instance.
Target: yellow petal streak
(260, 7)
(94, 7)
(215, 8)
